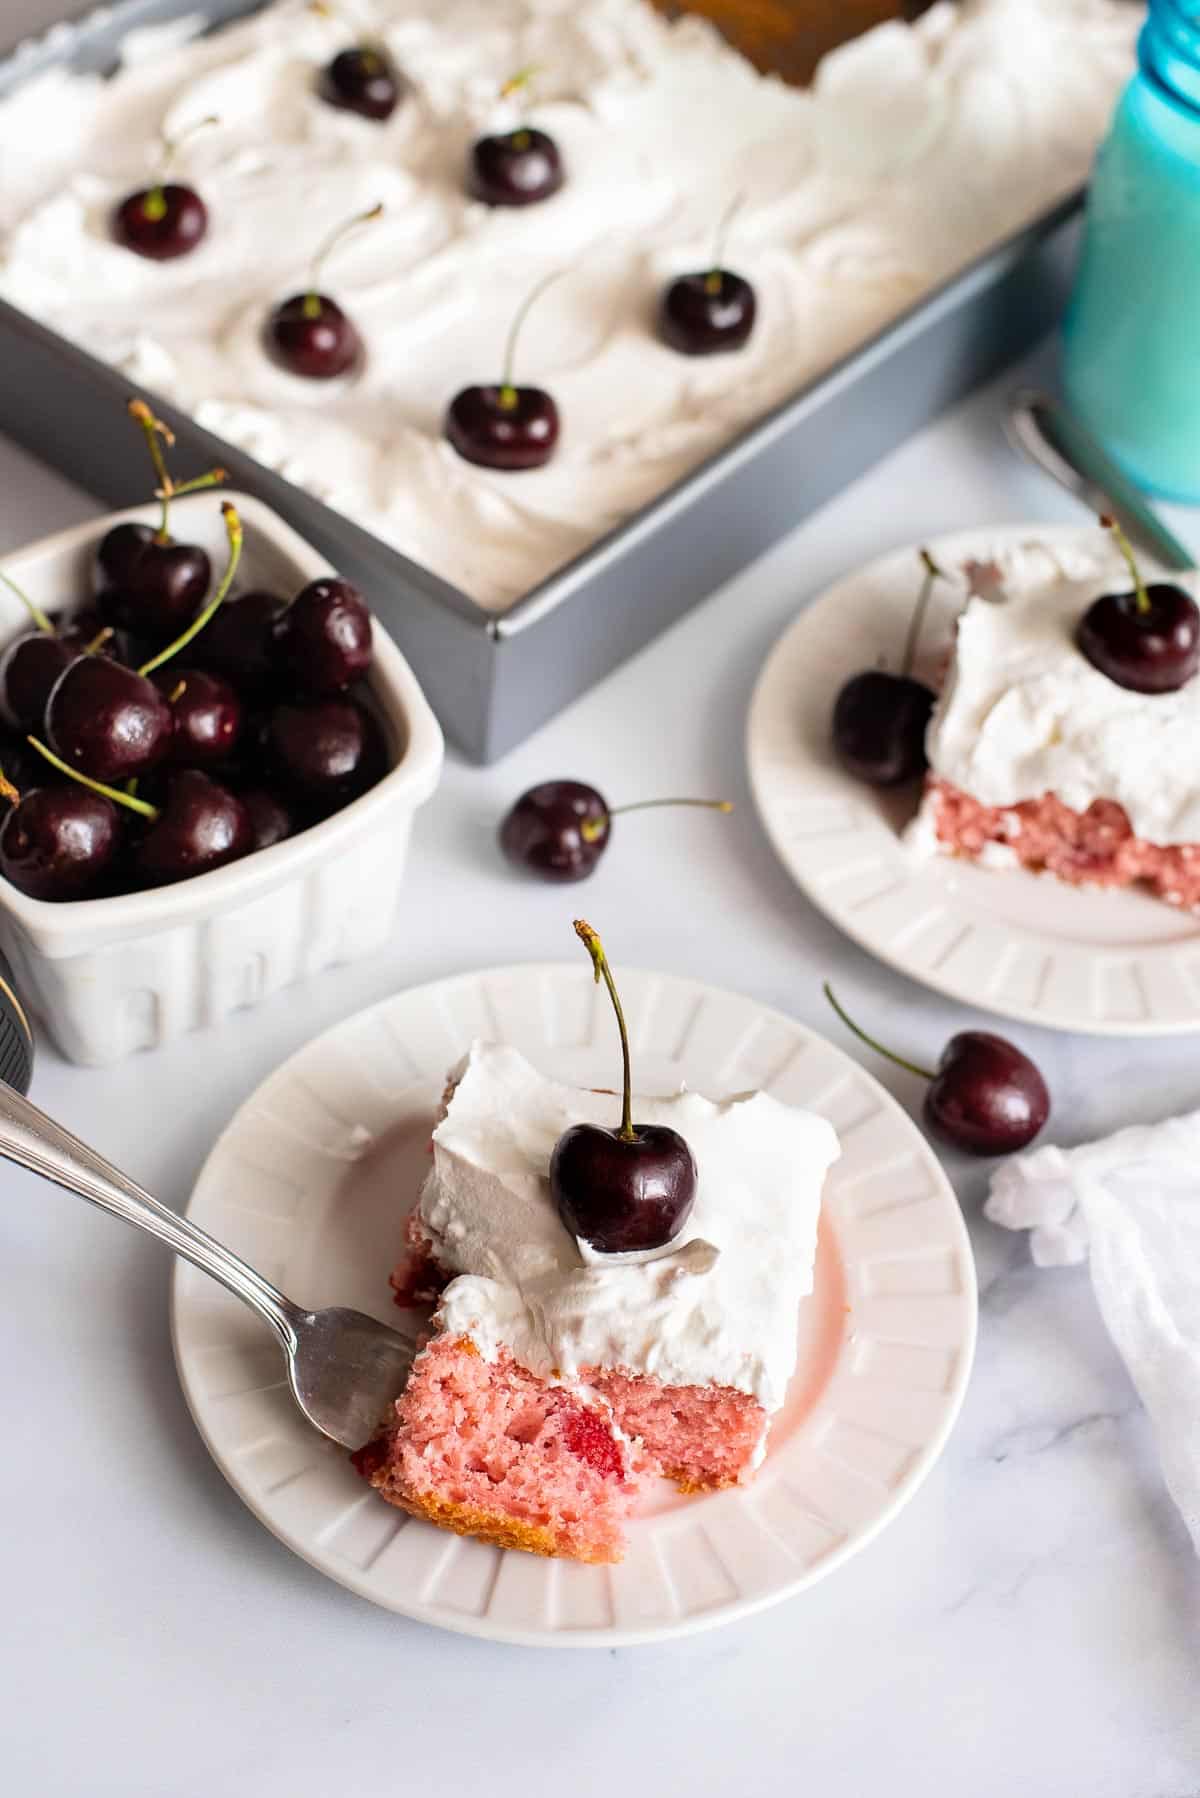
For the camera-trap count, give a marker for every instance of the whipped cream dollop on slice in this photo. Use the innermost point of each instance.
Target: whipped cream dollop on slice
(1023, 712)
(719, 1305)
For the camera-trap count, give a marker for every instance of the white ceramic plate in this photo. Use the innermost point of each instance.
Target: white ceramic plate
(311, 1183)
(1026, 945)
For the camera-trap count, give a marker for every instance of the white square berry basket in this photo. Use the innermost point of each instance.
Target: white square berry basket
(110, 976)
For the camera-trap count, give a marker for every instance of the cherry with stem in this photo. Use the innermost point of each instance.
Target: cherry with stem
(167, 219)
(112, 722)
(308, 333)
(710, 310)
(1146, 640)
(505, 426)
(559, 829)
(145, 582)
(880, 719)
(629, 1189)
(517, 167)
(56, 842)
(985, 1096)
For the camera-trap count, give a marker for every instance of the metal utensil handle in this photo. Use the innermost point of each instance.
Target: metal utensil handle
(1068, 452)
(36, 1142)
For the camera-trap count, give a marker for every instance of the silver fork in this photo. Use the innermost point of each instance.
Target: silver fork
(343, 1367)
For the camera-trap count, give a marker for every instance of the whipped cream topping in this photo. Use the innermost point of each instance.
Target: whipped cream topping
(916, 148)
(1024, 713)
(719, 1304)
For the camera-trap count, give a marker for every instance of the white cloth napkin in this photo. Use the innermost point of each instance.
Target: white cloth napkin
(1130, 1203)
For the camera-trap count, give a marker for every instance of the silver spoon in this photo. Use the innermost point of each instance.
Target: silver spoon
(344, 1369)
(1043, 429)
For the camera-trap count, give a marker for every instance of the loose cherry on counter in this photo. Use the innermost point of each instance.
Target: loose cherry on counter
(880, 719)
(308, 333)
(144, 581)
(57, 842)
(361, 79)
(112, 723)
(505, 426)
(323, 638)
(1148, 640)
(711, 310)
(167, 219)
(518, 167)
(626, 1189)
(985, 1095)
(560, 829)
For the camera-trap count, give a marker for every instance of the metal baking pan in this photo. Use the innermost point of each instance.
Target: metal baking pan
(493, 678)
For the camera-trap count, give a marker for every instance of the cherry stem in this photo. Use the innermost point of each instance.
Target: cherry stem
(154, 207)
(7, 790)
(233, 530)
(98, 641)
(213, 478)
(932, 573)
(154, 429)
(519, 79)
(1141, 597)
(712, 281)
(888, 1054)
(312, 298)
(593, 828)
(508, 393)
(595, 949)
(141, 806)
(35, 612)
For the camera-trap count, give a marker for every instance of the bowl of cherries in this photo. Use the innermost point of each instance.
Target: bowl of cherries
(210, 759)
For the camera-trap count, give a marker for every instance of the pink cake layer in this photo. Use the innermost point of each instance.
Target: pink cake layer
(487, 1449)
(1093, 848)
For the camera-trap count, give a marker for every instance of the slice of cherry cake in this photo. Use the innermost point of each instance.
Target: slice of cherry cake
(559, 1379)
(1040, 760)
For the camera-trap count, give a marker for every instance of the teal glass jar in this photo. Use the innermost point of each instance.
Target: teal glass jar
(1132, 349)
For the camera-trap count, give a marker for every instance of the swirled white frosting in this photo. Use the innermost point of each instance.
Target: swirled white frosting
(720, 1304)
(1024, 713)
(916, 148)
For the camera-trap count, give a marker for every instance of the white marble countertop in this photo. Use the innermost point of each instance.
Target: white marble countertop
(1027, 1625)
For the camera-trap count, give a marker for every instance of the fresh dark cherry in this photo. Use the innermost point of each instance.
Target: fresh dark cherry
(1147, 640)
(206, 712)
(310, 335)
(272, 818)
(621, 1193)
(239, 640)
(201, 826)
(321, 747)
(361, 80)
(148, 586)
(1155, 649)
(985, 1095)
(879, 726)
(703, 314)
(624, 1189)
(557, 830)
(503, 427)
(29, 668)
(323, 639)
(880, 719)
(515, 168)
(161, 222)
(106, 721)
(57, 842)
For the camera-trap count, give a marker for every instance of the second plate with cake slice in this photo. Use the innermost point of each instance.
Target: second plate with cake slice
(1038, 759)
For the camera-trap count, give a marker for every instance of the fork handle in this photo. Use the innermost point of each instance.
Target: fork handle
(36, 1142)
